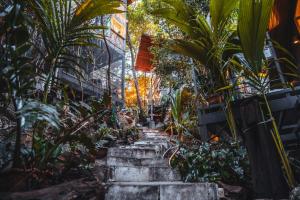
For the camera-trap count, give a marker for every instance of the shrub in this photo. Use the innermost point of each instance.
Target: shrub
(221, 161)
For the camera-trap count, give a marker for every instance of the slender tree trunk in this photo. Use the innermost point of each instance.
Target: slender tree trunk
(123, 82)
(136, 84)
(109, 59)
(17, 150)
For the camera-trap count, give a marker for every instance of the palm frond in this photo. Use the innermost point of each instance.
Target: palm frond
(252, 26)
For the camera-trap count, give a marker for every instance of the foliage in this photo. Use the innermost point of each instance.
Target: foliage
(18, 75)
(80, 124)
(37, 39)
(182, 112)
(201, 6)
(208, 44)
(253, 21)
(140, 22)
(213, 43)
(166, 63)
(170, 66)
(221, 161)
(68, 152)
(63, 27)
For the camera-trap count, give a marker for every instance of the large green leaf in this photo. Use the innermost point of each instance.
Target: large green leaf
(65, 25)
(178, 13)
(89, 9)
(34, 111)
(220, 11)
(254, 16)
(193, 49)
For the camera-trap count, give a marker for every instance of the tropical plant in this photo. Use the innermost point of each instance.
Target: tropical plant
(65, 25)
(205, 42)
(217, 161)
(253, 20)
(17, 74)
(210, 43)
(80, 123)
(50, 30)
(180, 116)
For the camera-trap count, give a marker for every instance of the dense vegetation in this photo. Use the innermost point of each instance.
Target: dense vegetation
(204, 53)
(52, 130)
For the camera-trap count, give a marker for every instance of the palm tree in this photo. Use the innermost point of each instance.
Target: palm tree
(209, 42)
(253, 21)
(205, 42)
(65, 24)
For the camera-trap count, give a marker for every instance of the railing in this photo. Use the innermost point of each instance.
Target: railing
(87, 86)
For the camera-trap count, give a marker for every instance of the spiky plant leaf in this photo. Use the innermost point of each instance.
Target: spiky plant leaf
(220, 11)
(254, 16)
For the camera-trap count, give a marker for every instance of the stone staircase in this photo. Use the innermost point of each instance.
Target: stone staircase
(138, 172)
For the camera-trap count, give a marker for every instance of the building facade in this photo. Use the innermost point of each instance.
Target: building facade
(110, 52)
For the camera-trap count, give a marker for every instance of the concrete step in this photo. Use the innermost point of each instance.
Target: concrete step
(142, 174)
(162, 191)
(135, 152)
(132, 162)
(164, 145)
(157, 137)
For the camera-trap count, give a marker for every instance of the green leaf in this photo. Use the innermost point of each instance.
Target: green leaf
(89, 9)
(220, 11)
(254, 16)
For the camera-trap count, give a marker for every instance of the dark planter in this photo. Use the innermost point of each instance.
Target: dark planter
(101, 153)
(267, 175)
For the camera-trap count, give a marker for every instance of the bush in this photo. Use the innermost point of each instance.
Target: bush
(221, 161)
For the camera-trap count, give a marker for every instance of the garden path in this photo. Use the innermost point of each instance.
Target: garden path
(139, 172)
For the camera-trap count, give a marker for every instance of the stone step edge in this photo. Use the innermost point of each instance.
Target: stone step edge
(220, 191)
(134, 158)
(142, 166)
(157, 183)
(133, 148)
(140, 161)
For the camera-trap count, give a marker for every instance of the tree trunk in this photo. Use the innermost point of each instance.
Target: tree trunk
(136, 84)
(267, 175)
(123, 82)
(109, 59)
(17, 151)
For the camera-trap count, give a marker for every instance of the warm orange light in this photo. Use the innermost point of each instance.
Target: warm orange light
(274, 19)
(297, 42)
(297, 16)
(215, 138)
(130, 91)
(144, 89)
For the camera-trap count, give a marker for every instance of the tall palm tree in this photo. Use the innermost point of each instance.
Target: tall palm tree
(205, 41)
